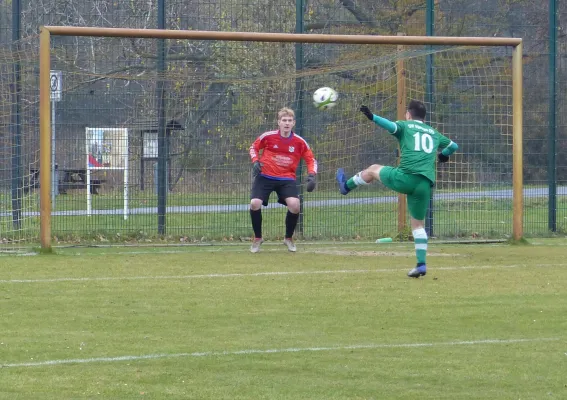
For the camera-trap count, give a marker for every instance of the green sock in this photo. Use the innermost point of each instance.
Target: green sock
(420, 241)
(355, 181)
(420, 254)
(350, 183)
(420, 249)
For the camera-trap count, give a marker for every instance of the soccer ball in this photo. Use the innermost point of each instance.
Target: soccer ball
(325, 98)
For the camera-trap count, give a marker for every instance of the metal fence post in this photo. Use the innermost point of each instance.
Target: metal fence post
(551, 136)
(429, 93)
(15, 124)
(299, 99)
(162, 144)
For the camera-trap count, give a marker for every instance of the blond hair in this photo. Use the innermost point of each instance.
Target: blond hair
(286, 112)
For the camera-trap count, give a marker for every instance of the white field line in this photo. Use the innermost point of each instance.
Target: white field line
(267, 273)
(16, 254)
(271, 351)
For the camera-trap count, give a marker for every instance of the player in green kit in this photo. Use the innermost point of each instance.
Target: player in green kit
(414, 176)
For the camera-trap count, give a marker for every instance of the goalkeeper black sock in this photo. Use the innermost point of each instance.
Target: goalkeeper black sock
(256, 216)
(290, 223)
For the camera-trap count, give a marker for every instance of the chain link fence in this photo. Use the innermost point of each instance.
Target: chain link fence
(545, 129)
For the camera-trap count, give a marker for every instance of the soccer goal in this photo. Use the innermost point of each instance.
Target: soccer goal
(205, 96)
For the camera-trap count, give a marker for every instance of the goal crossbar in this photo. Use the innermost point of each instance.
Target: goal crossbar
(45, 65)
(280, 37)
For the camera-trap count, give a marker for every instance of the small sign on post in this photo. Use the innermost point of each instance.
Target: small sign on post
(56, 93)
(56, 84)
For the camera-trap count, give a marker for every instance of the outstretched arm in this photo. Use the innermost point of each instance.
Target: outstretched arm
(380, 121)
(450, 148)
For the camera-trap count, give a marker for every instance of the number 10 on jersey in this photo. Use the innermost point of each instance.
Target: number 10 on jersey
(423, 142)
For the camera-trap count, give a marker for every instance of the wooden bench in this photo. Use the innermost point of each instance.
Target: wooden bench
(69, 178)
(95, 186)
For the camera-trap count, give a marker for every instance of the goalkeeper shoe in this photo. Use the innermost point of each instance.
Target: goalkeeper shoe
(342, 180)
(418, 271)
(290, 245)
(255, 247)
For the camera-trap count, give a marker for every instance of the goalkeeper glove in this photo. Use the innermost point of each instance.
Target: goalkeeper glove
(366, 111)
(311, 182)
(256, 169)
(442, 158)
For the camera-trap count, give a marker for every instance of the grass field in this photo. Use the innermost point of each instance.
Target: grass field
(329, 322)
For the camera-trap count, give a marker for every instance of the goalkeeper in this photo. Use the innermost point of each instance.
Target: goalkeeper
(275, 156)
(414, 176)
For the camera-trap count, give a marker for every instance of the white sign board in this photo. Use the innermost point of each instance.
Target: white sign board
(150, 144)
(56, 85)
(107, 148)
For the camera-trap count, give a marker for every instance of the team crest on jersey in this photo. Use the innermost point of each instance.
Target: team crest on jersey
(291, 149)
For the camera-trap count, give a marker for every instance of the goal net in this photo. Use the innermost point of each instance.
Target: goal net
(209, 100)
(19, 145)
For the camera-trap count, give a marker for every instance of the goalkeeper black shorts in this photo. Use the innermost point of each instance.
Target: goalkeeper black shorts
(262, 187)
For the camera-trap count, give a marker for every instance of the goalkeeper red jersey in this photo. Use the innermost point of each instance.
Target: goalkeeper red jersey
(280, 156)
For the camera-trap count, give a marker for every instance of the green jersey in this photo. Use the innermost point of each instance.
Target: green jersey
(419, 144)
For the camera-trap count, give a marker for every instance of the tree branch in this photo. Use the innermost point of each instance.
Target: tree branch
(178, 57)
(321, 25)
(358, 13)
